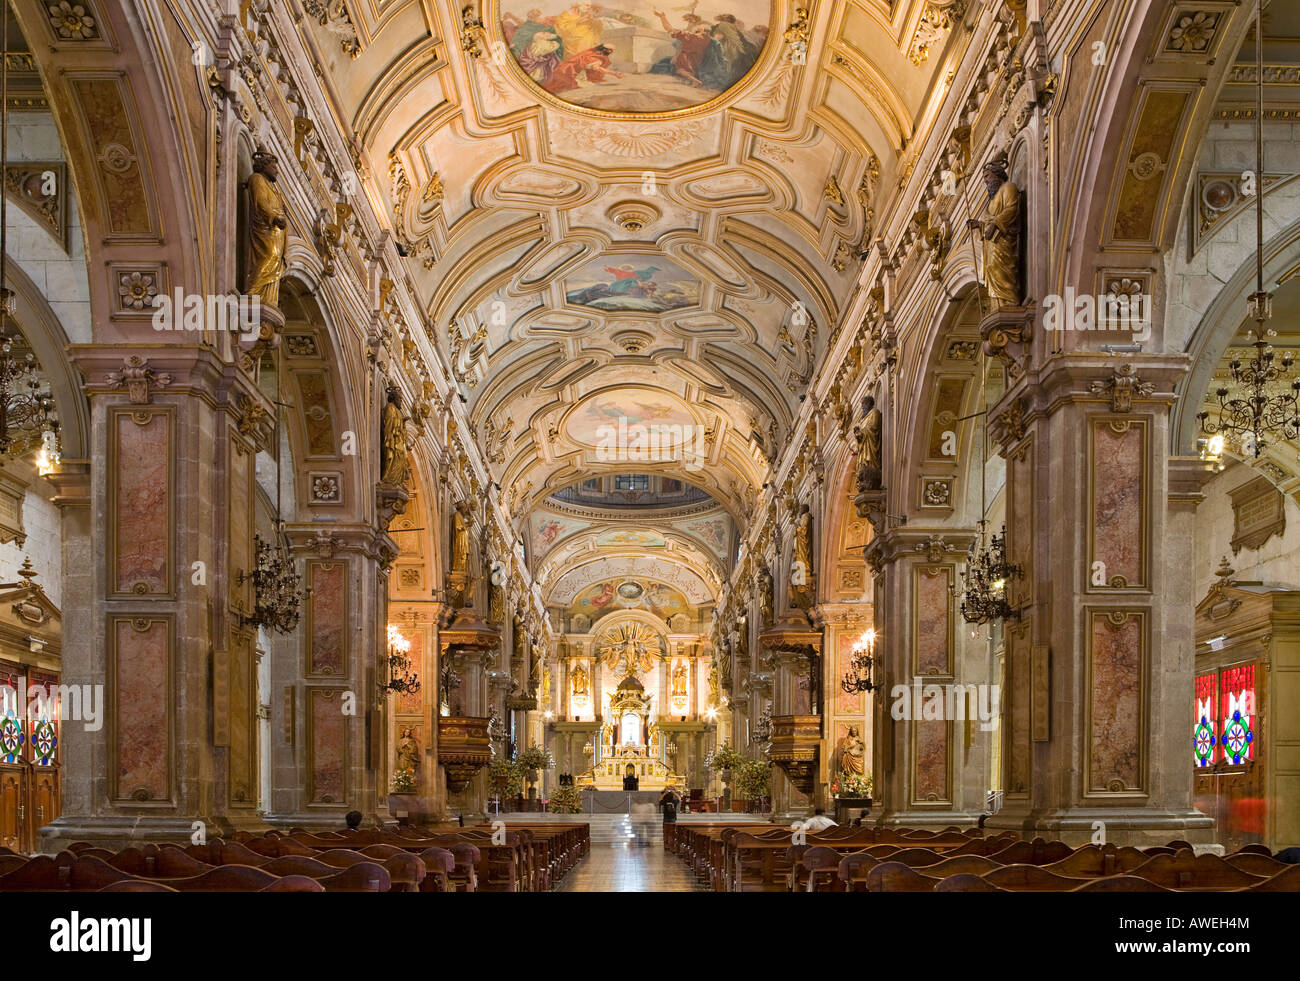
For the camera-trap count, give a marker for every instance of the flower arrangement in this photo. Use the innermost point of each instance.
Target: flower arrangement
(564, 800)
(534, 758)
(851, 785)
(404, 781)
(506, 777)
(724, 757)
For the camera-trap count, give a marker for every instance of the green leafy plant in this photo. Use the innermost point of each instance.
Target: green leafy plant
(724, 757)
(404, 781)
(535, 758)
(564, 800)
(506, 777)
(753, 778)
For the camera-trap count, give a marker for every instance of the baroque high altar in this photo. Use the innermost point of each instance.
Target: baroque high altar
(632, 743)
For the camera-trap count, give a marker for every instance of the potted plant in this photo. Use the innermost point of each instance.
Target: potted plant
(531, 760)
(564, 800)
(404, 781)
(722, 760)
(403, 804)
(754, 781)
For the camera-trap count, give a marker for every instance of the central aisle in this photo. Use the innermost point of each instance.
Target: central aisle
(627, 854)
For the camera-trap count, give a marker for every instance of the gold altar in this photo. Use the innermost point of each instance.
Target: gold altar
(631, 744)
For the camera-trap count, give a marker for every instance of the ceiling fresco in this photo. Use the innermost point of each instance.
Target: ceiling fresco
(611, 214)
(633, 56)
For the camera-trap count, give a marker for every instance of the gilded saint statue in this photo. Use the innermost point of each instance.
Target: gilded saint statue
(801, 568)
(394, 464)
(766, 597)
(579, 683)
(459, 542)
(267, 230)
(869, 458)
(853, 754)
(1000, 231)
(679, 680)
(496, 603)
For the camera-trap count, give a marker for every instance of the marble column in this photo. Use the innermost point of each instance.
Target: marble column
(1100, 665)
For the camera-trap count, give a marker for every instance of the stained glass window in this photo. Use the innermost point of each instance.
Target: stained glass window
(1204, 732)
(1237, 704)
(11, 726)
(43, 724)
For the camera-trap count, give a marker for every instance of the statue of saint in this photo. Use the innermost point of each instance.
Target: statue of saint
(801, 569)
(267, 230)
(496, 603)
(853, 754)
(408, 751)
(459, 542)
(580, 684)
(679, 680)
(766, 597)
(1000, 232)
(394, 463)
(869, 443)
(715, 694)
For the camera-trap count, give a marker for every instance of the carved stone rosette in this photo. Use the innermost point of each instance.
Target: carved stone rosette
(796, 744)
(464, 748)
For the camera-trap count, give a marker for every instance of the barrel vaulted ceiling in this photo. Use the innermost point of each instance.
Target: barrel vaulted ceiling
(518, 209)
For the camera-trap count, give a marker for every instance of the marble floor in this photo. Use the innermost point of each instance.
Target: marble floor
(638, 865)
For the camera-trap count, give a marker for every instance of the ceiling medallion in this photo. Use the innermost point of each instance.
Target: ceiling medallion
(633, 216)
(628, 60)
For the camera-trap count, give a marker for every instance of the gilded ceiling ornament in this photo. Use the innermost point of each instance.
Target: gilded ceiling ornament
(832, 191)
(333, 15)
(72, 21)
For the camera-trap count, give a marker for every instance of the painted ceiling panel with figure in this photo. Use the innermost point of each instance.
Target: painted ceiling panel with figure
(605, 597)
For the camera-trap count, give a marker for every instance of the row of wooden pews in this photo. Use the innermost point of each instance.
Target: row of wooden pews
(527, 858)
(768, 858)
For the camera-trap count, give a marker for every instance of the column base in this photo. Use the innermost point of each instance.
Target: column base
(1123, 826)
(928, 820)
(117, 832)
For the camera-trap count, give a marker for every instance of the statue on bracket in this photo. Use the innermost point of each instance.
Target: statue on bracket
(394, 461)
(267, 230)
(868, 434)
(1000, 232)
(766, 597)
(802, 574)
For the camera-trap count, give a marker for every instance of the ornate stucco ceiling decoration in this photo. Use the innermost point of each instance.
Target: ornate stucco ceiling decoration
(585, 242)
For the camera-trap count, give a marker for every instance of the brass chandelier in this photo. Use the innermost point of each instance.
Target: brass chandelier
(27, 416)
(401, 679)
(858, 678)
(277, 597)
(1260, 407)
(985, 578)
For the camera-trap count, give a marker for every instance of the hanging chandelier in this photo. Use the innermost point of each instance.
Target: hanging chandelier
(27, 416)
(985, 578)
(1260, 409)
(858, 678)
(277, 597)
(401, 679)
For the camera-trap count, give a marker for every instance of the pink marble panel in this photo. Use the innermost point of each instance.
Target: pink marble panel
(931, 781)
(1118, 500)
(328, 746)
(848, 704)
(1115, 737)
(414, 704)
(933, 611)
(329, 616)
(142, 517)
(141, 700)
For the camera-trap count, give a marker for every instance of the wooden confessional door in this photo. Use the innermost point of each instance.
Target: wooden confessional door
(13, 809)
